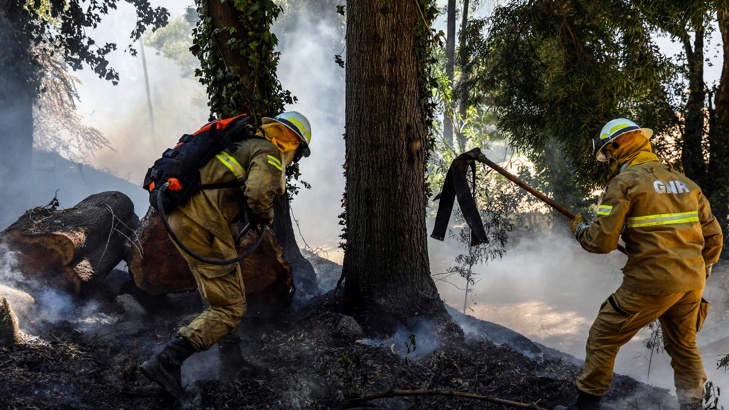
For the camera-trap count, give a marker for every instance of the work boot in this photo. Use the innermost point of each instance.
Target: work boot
(231, 359)
(584, 401)
(164, 367)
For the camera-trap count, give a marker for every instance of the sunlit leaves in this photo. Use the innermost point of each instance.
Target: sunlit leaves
(64, 25)
(559, 70)
(174, 41)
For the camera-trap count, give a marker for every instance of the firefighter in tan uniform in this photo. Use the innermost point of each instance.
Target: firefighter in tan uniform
(202, 224)
(671, 240)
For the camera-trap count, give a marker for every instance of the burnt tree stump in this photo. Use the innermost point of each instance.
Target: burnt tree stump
(9, 331)
(73, 249)
(157, 267)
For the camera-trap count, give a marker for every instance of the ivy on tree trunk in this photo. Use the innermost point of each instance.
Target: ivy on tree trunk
(238, 62)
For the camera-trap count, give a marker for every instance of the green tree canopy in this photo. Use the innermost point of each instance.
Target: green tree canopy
(555, 72)
(65, 26)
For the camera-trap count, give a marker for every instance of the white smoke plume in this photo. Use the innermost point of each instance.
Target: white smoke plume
(549, 289)
(36, 303)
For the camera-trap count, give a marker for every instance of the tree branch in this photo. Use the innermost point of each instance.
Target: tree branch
(394, 393)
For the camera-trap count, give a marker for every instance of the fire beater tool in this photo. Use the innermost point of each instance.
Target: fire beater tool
(456, 179)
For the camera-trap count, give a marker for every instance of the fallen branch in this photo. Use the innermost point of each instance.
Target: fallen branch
(394, 393)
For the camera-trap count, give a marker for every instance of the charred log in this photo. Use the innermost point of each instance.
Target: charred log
(157, 267)
(73, 249)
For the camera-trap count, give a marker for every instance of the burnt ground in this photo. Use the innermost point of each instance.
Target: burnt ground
(308, 358)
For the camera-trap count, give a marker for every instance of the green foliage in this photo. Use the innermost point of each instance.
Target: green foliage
(62, 26)
(174, 40)
(427, 42)
(410, 347)
(558, 71)
(234, 88)
(354, 375)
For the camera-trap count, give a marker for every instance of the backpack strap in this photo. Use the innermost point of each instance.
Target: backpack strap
(220, 137)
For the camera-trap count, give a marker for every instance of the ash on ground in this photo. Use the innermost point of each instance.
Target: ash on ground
(311, 358)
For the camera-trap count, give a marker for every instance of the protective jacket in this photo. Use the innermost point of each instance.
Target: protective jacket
(259, 163)
(666, 223)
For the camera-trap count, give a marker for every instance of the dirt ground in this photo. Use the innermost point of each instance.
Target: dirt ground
(307, 358)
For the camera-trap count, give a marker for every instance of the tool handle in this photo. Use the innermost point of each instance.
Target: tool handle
(480, 157)
(564, 211)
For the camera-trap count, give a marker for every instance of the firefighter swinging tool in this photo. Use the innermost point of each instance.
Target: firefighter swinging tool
(456, 185)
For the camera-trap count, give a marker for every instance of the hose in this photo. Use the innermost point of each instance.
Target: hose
(176, 239)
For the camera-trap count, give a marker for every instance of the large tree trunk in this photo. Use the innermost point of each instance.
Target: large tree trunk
(692, 155)
(463, 93)
(448, 123)
(157, 267)
(386, 268)
(73, 249)
(719, 137)
(223, 17)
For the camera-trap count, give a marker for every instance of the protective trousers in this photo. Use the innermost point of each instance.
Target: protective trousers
(623, 315)
(221, 285)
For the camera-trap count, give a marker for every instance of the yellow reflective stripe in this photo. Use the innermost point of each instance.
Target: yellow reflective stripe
(613, 129)
(662, 219)
(604, 210)
(274, 161)
(301, 127)
(232, 164)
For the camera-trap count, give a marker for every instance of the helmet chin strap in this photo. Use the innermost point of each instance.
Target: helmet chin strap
(301, 152)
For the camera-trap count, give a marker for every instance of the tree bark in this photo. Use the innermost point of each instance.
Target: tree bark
(73, 249)
(157, 267)
(692, 155)
(386, 269)
(223, 18)
(719, 136)
(463, 104)
(448, 123)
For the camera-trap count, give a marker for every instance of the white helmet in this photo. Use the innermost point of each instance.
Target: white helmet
(612, 130)
(294, 121)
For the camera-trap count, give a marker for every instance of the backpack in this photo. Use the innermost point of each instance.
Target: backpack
(180, 166)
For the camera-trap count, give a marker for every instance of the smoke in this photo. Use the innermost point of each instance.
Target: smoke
(419, 340)
(546, 288)
(307, 68)
(37, 304)
(549, 289)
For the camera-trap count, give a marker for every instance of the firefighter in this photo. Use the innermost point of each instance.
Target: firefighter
(671, 240)
(202, 224)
